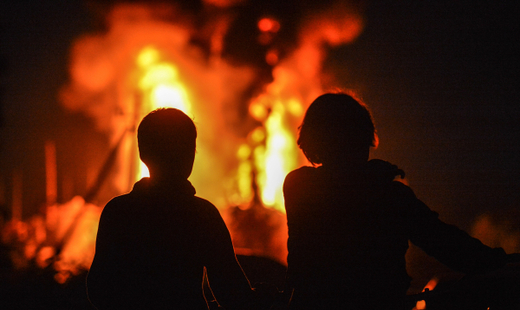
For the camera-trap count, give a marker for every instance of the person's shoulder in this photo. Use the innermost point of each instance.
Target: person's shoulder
(304, 170)
(207, 213)
(120, 199)
(203, 202)
(395, 192)
(300, 174)
(117, 203)
(299, 183)
(400, 188)
(122, 205)
(205, 206)
(114, 212)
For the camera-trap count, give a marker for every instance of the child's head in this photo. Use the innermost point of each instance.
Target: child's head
(335, 127)
(166, 139)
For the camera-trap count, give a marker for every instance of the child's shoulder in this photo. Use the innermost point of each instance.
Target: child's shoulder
(301, 173)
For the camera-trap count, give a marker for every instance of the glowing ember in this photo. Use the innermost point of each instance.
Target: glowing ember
(420, 305)
(268, 25)
(431, 284)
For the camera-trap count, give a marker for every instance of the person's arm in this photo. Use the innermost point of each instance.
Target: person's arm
(292, 188)
(226, 278)
(513, 258)
(447, 243)
(99, 288)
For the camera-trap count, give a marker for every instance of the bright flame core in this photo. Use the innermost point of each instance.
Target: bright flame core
(273, 153)
(280, 157)
(160, 87)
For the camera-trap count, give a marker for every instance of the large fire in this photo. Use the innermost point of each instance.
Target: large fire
(160, 87)
(246, 124)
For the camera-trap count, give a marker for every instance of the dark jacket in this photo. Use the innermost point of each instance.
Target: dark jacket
(349, 232)
(151, 249)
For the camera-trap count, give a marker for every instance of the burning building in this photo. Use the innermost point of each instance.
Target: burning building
(243, 70)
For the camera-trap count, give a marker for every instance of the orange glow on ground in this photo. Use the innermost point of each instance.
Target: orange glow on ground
(420, 305)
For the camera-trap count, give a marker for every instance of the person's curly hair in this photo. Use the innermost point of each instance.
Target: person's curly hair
(335, 122)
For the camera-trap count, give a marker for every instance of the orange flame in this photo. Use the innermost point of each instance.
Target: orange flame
(143, 62)
(78, 251)
(278, 158)
(160, 87)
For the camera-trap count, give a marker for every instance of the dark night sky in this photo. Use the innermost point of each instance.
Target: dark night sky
(442, 81)
(440, 78)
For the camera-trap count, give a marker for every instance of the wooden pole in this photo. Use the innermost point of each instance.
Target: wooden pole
(17, 195)
(51, 191)
(51, 175)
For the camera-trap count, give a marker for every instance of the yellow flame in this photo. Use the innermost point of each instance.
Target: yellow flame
(277, 159)
(161, 87)
(158, 74)
(172, 96)
(245, 181)
(258, 135)
(147, 57)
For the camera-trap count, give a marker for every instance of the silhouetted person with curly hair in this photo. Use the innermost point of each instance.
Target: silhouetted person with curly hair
(155, 243)
(350, 222)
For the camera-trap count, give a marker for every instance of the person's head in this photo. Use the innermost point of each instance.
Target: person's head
(337, 128)
(166, 139)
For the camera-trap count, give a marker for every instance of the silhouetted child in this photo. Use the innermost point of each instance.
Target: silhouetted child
(154, 243)
(350, 223)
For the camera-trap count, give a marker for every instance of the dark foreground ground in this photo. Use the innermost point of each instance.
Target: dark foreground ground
(36, 288)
